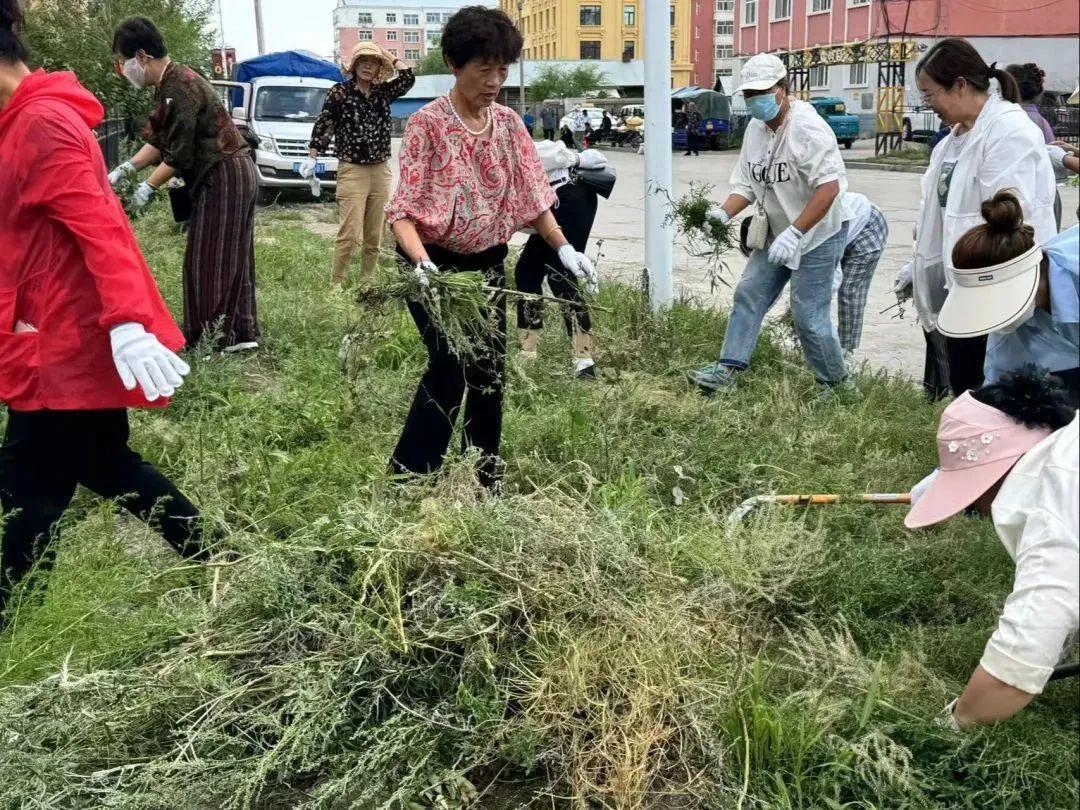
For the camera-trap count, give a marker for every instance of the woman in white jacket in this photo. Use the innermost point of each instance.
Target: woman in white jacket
(993, 145)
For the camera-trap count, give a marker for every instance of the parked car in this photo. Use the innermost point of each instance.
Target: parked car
(843, 124)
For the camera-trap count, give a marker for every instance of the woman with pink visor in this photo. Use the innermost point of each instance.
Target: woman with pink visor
(1010, 451)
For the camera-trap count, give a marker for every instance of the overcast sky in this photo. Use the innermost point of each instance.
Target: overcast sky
(289, 24)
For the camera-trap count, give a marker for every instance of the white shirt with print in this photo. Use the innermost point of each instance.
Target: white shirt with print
(807, 156)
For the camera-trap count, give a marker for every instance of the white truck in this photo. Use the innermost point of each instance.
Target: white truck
(279, 106)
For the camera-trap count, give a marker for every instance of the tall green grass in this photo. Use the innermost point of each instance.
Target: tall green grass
(596, 637)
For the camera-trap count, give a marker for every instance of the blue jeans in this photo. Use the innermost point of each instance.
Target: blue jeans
(811, 299)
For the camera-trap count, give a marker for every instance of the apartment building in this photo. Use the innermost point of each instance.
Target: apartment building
(408, 29)
(725, 63)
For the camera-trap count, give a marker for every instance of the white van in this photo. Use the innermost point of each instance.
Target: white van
(281, 111)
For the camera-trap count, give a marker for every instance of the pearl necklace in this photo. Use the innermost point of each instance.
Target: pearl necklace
(474, 133)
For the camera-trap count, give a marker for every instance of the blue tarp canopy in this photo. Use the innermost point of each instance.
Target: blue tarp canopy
(288, 63)
(710, 103)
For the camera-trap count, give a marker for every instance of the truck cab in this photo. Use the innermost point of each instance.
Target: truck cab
(844, 125)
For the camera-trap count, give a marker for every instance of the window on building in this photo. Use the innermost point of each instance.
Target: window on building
(819, 77)
(447, 15)
(412, 55)
(781, 9)
(724, 51)
(858, 2)
(589, 50)
(671, 12)
(364, 18)
(391, 19)
(589, 15)
(364, 36)
(749, 12)
(725, 5)
(857, 75)
(820, 5)
(629, 49)
(672, 50)
(412, 19)
(725, 28)
(412, 37)
(433, 18)
(724, 72)
(391, 36)
(629, 16)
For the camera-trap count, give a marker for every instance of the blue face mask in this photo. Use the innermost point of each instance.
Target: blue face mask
(763, 108)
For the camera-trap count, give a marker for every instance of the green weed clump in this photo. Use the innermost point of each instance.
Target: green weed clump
(598, 637)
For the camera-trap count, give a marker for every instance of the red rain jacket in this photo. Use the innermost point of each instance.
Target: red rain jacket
(69, 263)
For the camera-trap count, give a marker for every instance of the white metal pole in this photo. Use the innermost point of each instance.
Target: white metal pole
(221, 24)
(259, 27)
(659, 238)
(521, 59)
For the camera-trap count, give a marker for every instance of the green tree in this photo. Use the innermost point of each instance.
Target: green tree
(432, 64)
(76, 35)
(556, 81)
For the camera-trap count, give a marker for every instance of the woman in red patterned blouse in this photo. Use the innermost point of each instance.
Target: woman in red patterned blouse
(470, 178)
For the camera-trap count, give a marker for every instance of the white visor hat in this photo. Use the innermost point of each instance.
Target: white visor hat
(991, 299)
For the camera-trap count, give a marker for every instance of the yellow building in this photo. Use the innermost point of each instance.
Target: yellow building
(598, 29)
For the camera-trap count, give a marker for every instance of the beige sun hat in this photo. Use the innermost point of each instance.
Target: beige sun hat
(371, 49)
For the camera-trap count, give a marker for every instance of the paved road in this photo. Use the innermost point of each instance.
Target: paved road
(888, 343)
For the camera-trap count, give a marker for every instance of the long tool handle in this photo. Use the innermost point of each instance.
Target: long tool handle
(750, 504)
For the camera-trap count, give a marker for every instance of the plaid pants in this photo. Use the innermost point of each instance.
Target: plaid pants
(857, 266)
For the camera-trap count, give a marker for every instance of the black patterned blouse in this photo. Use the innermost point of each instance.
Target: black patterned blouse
(359, 124)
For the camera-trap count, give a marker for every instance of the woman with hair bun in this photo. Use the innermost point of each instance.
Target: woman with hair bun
(1026, 298)
(993, 145)
(1029, 82)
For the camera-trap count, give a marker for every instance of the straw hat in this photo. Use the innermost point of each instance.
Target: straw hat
(371, 49)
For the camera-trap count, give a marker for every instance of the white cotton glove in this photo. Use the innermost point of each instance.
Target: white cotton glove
(121, 173)
(785, 246)
(307, 167)
(920, 488)
(1057, 156)
(423, 271)
(947, 718)
(904, 284)
(580, 265)
(143, 194)
(717, 214)
(592, 159)
(141, 360)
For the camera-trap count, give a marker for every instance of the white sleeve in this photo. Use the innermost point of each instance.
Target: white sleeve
(1042, 610)
(1018, 160)
(740, 179)
(816, 155)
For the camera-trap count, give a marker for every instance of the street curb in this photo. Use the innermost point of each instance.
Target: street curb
(884, 167)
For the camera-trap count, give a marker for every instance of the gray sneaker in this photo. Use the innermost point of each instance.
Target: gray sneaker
(713, 378)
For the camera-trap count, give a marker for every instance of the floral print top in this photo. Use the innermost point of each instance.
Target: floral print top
(467, 194)
(190, 126)
(359, 124)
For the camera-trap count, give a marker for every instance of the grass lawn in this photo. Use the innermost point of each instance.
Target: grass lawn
(909, 155)
(598, 637)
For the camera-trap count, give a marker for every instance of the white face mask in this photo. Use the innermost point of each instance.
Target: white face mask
(135, 72)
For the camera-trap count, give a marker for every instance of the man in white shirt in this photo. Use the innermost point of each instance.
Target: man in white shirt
(1001, 455)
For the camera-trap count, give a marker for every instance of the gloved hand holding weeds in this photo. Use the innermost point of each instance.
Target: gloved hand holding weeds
(904, 284)
(581, 266)
(121, 173)
(142, 196)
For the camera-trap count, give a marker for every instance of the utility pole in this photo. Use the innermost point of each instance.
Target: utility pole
(659, 238)
(221, 22)
(259, 27)
(521, 60)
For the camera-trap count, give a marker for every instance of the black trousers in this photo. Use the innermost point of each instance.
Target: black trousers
(575, 213)
(450, 379)
(953, 365)
(46, 454)
(549, 133)
(691, 142)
